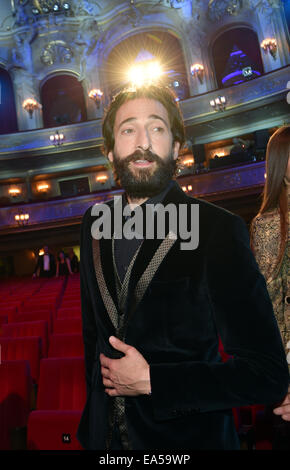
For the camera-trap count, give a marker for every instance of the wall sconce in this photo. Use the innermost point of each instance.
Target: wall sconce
(219, 103)
(42, 187)
(188, 161)
(21, 218)
(102, 178)
(96, 95)
(270, 45)
(14, 192)
(30, 105)
(198, 71)
(56, 139)
(187, 188)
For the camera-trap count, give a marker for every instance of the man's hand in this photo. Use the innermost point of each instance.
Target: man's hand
(284, 408)
(127, 376)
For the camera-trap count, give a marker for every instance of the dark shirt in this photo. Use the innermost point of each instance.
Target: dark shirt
(124, 248)
(63, 269)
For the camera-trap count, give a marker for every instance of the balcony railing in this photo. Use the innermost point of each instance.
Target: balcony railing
(70, 210)
(196, 110)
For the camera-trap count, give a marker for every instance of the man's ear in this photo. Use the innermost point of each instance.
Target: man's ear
(176, 148)
(110, 156)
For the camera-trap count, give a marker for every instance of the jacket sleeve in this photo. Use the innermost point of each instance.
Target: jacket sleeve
(244, 318)
(88, 319)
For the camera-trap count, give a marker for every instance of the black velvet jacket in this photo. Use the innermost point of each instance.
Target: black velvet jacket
(193, 297)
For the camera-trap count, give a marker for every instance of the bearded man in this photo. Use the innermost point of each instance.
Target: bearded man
(153, 312)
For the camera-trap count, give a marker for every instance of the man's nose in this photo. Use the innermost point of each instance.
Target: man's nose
(143, 140)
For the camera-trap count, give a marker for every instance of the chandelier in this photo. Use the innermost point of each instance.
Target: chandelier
(44, 7)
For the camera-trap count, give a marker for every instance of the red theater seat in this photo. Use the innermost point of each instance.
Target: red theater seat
(67, 325)
(67, 390)
(53, 430)
(23, 348)
(59, 405)
(69, 312)
(15, 394)
(34, 316)
(9, 311)
(33, 328)
(3, 321)
(71, 304)
(66, 345)
(30, 307)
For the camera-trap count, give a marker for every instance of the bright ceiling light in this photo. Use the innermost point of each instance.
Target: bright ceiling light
(144, 74)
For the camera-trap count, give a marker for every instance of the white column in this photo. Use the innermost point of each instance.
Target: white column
(281, 33)
(91, 82)
(265, 29)
(25, 87)
(195, 53)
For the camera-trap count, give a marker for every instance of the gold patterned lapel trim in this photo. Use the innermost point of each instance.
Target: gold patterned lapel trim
(153, 265)
(106, 296)
(122, 288)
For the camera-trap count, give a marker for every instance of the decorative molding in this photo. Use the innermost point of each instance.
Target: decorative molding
(56, 52)
(217, 9)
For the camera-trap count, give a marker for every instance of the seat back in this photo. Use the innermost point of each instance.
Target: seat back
(33, 328)
(27, 348)
(66, 345)
(61, 384)
(67, 325)
(15, 393)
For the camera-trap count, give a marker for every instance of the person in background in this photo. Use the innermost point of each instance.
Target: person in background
(45, 266)
(63, 266)
(74, 262)
(270, 244)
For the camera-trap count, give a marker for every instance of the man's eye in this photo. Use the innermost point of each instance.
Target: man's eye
(127, 131)
(158, 129)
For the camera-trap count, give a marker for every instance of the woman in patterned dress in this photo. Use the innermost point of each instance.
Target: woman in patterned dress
(270, 242)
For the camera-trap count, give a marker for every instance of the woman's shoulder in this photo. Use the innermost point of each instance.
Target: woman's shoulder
(266, 218)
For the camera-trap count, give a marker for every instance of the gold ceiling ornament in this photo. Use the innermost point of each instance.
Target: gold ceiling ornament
(45, 7)
(217, 9)
(56, 52)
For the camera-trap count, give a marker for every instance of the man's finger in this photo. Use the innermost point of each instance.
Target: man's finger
(105, 361)
(108, 383)
(119, 345)
(286, 417)
(105, 372)
(282, 410)
(112, 392)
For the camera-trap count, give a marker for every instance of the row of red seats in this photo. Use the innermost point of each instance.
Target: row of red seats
(44, 321)
(60, 402)
(53, 425)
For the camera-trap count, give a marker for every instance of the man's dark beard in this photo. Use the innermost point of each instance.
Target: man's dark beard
(144, 182)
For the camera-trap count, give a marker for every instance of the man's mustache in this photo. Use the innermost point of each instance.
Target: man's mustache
(139, 155)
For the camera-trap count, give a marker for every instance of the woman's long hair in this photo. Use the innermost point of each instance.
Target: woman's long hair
(275, 190)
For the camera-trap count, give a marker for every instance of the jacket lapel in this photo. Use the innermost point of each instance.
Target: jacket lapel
(103, 263)
(152, 254)
(149, 257)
